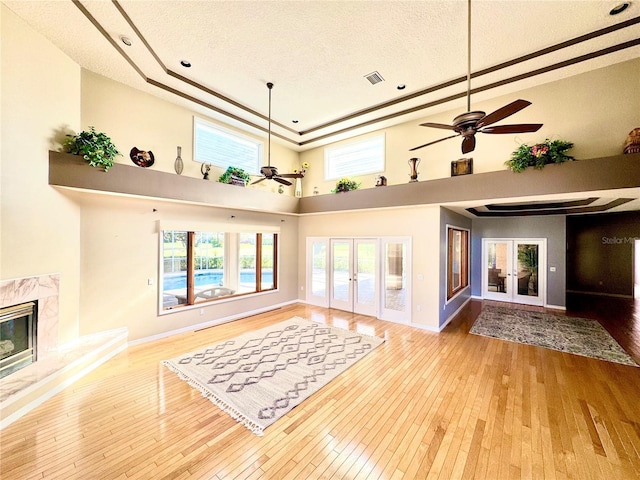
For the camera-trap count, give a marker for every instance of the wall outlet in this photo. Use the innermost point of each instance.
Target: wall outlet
(552, 269)
(420, 276)
(149, 281)
(419, 308)
(202, 311)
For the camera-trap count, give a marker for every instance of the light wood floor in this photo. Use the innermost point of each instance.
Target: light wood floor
(423, 405)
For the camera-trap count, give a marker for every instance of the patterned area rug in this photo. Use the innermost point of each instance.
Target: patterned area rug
(580, 336)
(259, 376)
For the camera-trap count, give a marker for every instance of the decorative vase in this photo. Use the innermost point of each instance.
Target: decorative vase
(413, 163)
(298, 187)
(178, 165)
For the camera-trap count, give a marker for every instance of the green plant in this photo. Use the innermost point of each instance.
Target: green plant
(540, 154)
(234, 172)
(96, 148)
(345, 184)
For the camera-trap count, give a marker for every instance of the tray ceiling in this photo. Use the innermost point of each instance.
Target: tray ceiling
(318, 53)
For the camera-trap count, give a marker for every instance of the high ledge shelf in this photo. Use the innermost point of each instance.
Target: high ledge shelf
(607, 173)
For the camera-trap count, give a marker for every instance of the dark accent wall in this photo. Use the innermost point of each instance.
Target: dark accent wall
(447, 217)
(550, 227)
(600, 252)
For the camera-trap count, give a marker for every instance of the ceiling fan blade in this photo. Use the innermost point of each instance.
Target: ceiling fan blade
(431, 143)
(503, 112)
(518, 128)
(468, 144)
(438, 125)
(291, 175)
(258, 181)
(283, 181)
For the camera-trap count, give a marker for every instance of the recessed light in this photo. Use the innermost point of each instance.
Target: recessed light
(185, 63)
(126, 40)
(619, 8)
(402, 86)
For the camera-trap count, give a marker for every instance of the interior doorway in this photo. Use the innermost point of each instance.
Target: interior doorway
(514, 270)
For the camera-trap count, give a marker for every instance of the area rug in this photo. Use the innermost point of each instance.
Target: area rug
(580, 336)
(260, 376)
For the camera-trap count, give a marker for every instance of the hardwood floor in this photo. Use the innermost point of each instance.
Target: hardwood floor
(422, 405)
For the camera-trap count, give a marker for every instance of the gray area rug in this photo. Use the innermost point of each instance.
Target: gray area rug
(259, 376)
(580, 336)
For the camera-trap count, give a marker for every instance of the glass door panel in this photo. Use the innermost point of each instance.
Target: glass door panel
(319, 269)
(498, 268)
(365, 279)
(396, 304)
(341, 275)
(528, 269)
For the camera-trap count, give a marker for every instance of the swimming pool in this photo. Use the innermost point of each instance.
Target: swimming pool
(214, 278)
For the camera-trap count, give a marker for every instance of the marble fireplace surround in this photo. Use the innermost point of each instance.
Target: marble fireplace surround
(44, 289)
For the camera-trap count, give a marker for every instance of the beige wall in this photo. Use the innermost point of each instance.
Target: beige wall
(133, 118)
(120, 239)
(419, 223)
(40, 227)
(595, 110)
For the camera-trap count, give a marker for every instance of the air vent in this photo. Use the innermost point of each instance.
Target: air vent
(374, 78)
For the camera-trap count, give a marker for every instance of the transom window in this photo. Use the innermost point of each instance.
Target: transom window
(207, 266)
(361, 157)
(221, 147)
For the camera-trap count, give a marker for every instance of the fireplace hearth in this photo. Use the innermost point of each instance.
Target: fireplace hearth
(18, 327)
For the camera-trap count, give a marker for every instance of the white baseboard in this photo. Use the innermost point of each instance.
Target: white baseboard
(211, 323)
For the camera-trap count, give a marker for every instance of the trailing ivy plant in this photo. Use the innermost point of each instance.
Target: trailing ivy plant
(539, 155)
(234, 172)
(96, 148)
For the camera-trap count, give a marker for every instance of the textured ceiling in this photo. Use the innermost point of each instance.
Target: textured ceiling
(317, 54)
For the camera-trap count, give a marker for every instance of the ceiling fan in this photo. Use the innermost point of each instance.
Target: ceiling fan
(470, 123)
(269, 172)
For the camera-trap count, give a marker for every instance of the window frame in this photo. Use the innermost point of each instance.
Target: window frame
(190, 293)
(344, 147)
(229, 134)
(464, 260)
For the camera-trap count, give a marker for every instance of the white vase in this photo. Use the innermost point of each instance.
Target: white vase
(298, 187)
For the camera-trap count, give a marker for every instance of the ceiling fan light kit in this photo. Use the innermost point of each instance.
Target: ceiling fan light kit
(468, 124)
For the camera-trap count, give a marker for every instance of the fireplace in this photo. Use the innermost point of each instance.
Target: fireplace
(18, 326)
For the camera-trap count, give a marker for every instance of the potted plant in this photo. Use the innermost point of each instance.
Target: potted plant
(345, 185)
(235, 176)
(95, 147)
(540, 154)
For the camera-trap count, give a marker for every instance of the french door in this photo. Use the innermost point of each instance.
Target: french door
(371, 276)
(354, 275)
(514, 270)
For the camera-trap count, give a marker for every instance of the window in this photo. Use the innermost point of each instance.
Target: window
(355, 158)
(457, 260)
(199, 266)
(223, 148)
